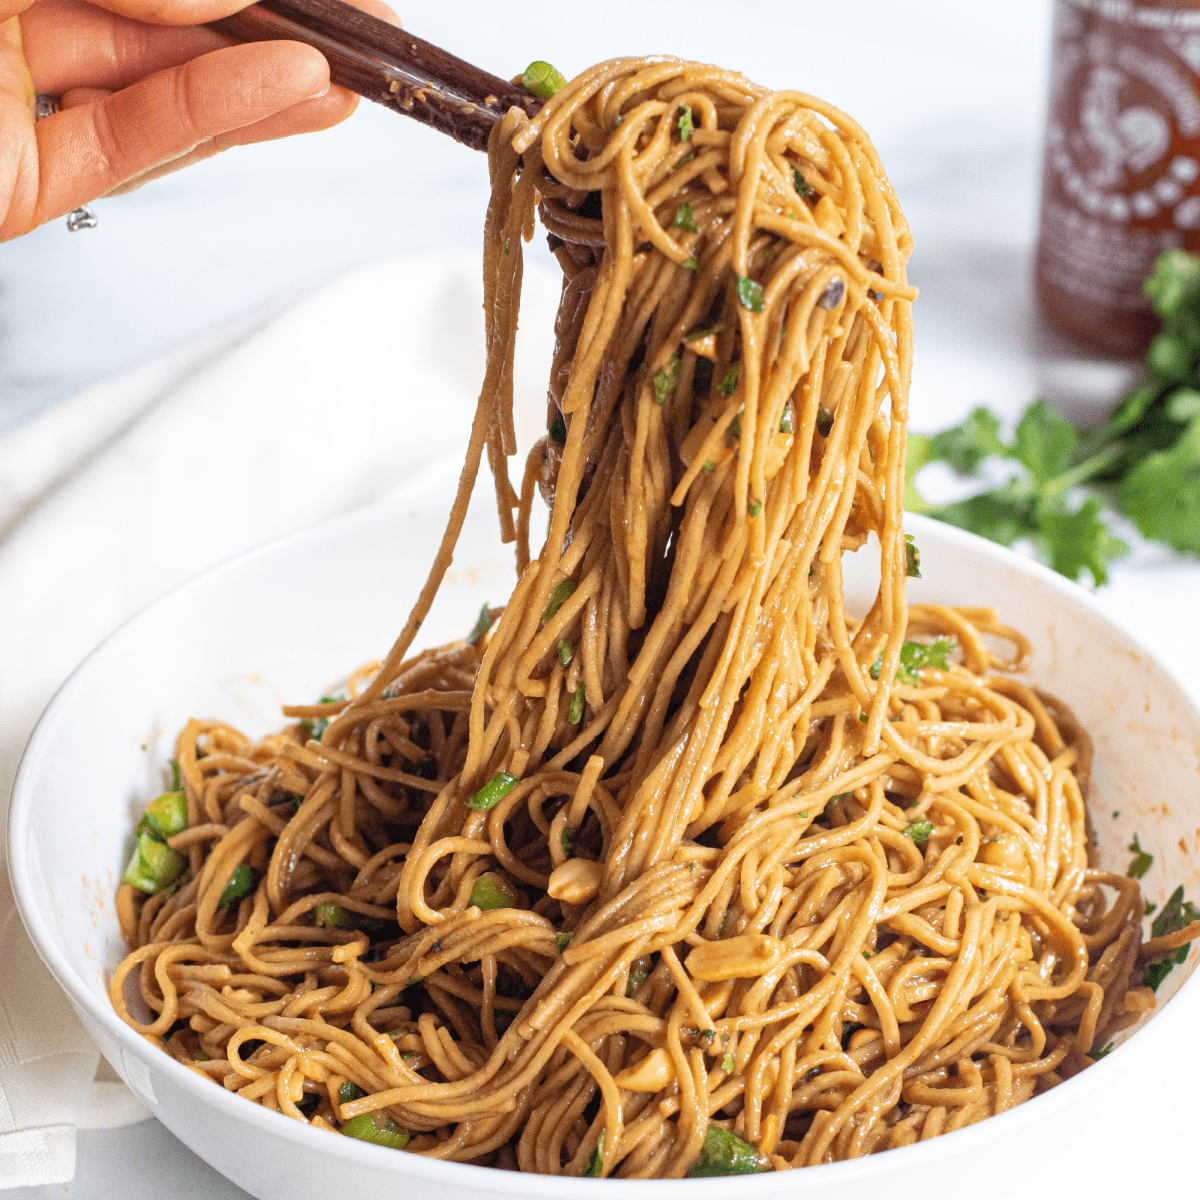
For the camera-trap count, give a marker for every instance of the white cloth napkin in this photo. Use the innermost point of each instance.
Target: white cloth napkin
(360, 391)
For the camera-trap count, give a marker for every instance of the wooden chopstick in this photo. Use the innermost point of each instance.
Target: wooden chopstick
(387, 65)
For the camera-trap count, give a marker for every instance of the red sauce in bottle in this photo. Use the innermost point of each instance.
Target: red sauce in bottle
(1121, 180)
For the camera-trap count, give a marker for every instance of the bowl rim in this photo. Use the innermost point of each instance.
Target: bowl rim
(467, 1175)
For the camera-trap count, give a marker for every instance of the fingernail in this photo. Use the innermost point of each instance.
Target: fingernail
(323, 92)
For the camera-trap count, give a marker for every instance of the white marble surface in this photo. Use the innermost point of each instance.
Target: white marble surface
(953, 94)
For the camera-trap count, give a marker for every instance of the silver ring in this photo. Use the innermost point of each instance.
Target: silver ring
(81, 218)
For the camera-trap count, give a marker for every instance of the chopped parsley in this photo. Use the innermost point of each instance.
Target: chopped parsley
(482, 624)
(567, 839)
(728, 385)
(690, 263)
(912, 558)
(562, 941)
(754, 508)
(915, 657)
(919, 831)
(595, 1162)
(750, 293)
(684, 218)
(558, 597)
(1176, 914)
(798, 182)
(1142, 861)
(665, 380)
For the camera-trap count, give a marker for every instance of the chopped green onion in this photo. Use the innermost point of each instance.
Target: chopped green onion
(558, 429)
(562, 941)
(566, 652)
(567, 839)
(240, 883)
(1142, 863)
(328, 915)
(728, 385)
(750, 293)
(575, 712)
(153, 865)
(542, 79)
(912, 558)
(414, 981)
(561, 594)
(492, 891)
(824, 422)
(683, 162)
(595, 1160)
(483, 623)
(754, 508)
(785, 422)
(349, 1091)
(727, 1063)
(665, 379)
(493, 792)
(919, 831)
(200, 1056)
(684, 218)
(735, 427)
(313, 729)
(849, 1029)
(165, 817)
(376, 1127)
(176, 776)
(803, 188)
(709, 466)
(690, 263)
(636, 979)
(684, 124)
(506, 245)
(724, 1153)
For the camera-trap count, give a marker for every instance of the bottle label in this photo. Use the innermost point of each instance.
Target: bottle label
(1122, 168)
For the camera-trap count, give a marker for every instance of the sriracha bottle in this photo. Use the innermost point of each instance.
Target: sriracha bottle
(1121, 178)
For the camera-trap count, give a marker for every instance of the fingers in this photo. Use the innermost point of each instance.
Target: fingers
(94, 148)
(73, 43)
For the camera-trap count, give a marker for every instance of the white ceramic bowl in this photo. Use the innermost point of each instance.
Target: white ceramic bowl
(282, 623)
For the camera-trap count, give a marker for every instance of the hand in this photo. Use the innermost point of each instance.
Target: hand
(143, 91)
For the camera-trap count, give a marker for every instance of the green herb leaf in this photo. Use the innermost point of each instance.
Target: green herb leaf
(568, 839)
(566, 652)
(709, 466)
(750, 293)
(725, 1153)
(690, 263)
(1099, 1054)
(558, 597)
(919, 831)
(912, 558)
(697, 334)
(493, 792)
(665, 380)
(965, 446)
(684, 124)
(542, 79)
(562, 941)
(1080, 540)
(636, 979)
(727, 1064)
(754, 508)
(1162, 493)
(350, 1092)
(684, 218)
(915, 657)
(595, 1164)
(575, 710)
(482, 624)
(1142, 861)
(558, 429)
(240, 884)
(728, 385)
(802, 187)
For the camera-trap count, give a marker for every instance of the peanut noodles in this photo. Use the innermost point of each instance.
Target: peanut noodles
(675, 866)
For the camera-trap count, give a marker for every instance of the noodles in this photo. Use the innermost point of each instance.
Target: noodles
(676, 848)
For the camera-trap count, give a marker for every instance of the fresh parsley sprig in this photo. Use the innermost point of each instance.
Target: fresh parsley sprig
(1143, 462)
